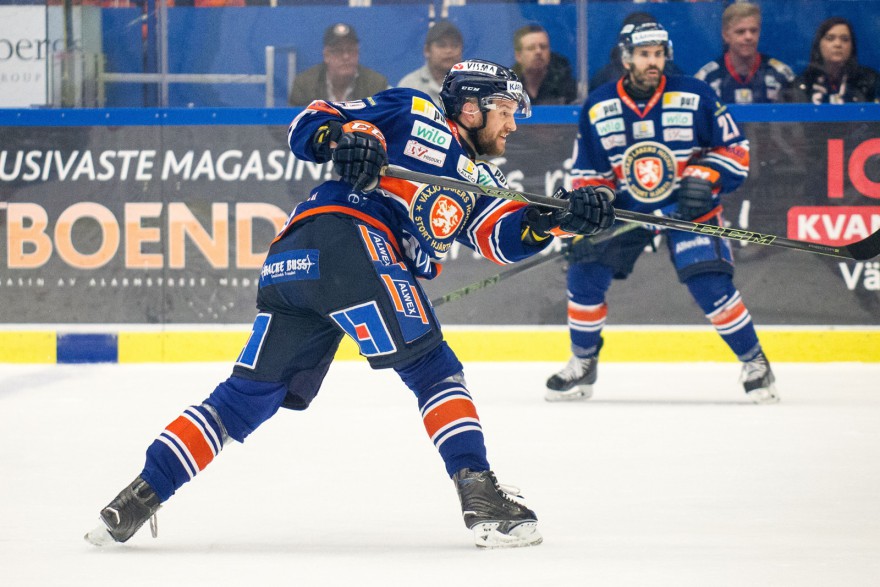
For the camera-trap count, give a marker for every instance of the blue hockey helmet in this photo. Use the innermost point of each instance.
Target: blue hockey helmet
(484, 81)
(641, 35)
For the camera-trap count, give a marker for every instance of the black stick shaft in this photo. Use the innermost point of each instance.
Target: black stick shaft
(862, 250)
(523, 266)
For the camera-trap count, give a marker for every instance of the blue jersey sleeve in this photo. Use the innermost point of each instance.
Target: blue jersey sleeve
(726, 147)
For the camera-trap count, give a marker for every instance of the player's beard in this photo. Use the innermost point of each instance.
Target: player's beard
(643, 81)
(488, 144)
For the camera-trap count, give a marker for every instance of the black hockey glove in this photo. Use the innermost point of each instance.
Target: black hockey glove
(360, 155)
(694, 198)
(327, 133)
(589, 211)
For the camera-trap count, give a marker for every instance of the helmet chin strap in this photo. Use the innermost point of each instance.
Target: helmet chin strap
(472, 145)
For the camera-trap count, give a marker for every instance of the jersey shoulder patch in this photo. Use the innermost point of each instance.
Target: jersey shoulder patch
(781, 68)
(704, 71)
(605, 109)
(490, 174)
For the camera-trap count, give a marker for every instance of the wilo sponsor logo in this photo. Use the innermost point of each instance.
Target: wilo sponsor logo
(431, 134)
(609, 126)
(678, 119)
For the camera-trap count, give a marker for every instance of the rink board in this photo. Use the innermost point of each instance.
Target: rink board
(622, 344)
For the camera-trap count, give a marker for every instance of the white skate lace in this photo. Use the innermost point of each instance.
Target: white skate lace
(754, 369)
(510, 492)
(575, 369)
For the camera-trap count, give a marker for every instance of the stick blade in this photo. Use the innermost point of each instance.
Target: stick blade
(865, 249)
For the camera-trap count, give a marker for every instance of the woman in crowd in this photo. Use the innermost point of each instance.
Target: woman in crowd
(834, 75)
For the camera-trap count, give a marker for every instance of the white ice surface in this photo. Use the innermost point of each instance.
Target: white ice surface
(668, 476)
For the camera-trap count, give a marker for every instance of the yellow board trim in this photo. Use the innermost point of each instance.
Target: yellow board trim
(28, 347)
(668, 346)
(550, 344)
(180, 347)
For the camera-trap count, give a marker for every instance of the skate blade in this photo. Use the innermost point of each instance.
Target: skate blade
(100, 536)
(486, 535)
(579, 393)
(764, 395)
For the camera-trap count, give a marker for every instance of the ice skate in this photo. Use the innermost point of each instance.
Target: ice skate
(575, 380)
(757, 379)
(496, 513)
(124, 516)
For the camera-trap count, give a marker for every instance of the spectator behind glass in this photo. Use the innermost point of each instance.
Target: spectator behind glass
(742, 75)
(614, 70)
(340, 77)
(834, 75)
(546, 76)
(443, 46)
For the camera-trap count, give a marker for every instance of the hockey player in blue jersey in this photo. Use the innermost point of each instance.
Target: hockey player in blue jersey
(346, 263)
(664, 144)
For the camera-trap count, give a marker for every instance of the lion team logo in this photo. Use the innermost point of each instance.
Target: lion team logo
(649, 169)
(446, 215)
(439, 213)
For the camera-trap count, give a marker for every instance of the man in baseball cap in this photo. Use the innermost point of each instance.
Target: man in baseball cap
(340, 77)
(443, 48)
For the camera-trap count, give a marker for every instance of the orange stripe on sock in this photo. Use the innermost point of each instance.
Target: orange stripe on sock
(447, 413)
(582, 314)
(195, 441)
(729, 315)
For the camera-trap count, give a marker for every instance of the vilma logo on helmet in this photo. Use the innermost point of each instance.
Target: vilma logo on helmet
(482, 67)
(484, 81)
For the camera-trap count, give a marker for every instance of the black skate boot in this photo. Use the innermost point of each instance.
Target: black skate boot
(496, 513)
(757, 379)
(575, 380)
(124, 516)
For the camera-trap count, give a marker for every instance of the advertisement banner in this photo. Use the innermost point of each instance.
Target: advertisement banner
(24, 50)
(152, 224)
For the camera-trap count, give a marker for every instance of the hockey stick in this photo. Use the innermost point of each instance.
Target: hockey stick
(523, 266)
(862, 250)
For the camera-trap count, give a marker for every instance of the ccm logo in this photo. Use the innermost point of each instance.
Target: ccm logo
(364, 127)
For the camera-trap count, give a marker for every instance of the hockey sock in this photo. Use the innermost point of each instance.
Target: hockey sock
(448, 412)
(451, 421)
(585, 324)
(724, 308)
(587, 310)
(185, 447)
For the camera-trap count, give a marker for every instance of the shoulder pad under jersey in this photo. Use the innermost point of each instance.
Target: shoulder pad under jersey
(704, 71)
(781, 68)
